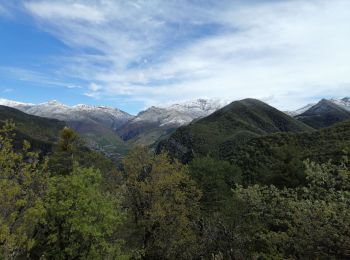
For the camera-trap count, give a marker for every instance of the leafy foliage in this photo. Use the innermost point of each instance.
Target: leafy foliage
(23, 180)
(216, 180)
(163, 203)
(81, 219)
(277, 158)
(300, 223)
(70, 149)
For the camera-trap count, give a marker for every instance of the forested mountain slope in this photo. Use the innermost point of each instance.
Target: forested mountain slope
(236, 123)
(41, 132)
(275, 153)
(44, 129)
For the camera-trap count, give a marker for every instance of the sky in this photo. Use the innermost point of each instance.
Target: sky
(138, 53)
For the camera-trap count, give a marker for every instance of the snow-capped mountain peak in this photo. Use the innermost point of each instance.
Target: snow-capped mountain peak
(11, 103)
(181, 113)
(109, 116)
(53, 103)
(201, 104)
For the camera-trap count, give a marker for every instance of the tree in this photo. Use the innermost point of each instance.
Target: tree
(216, 179)
(289, 169)
(164, 205)
(61, 161)
(67, 142)
(71, 148)
(23, 180)
(82, 221)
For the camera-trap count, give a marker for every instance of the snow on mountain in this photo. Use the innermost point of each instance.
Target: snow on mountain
(175, 115)
(11, 103)
(344, 102)
(108, 116)
(157, 122)
(325, 113)
(181, 113)
(300, 110)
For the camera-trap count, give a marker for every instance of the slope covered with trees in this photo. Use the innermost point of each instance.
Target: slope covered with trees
(235, 123)
(272, 158)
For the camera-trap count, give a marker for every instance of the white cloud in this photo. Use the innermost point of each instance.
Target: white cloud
(60, 10)
(289, 51)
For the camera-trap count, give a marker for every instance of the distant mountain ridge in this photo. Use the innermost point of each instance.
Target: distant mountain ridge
(300, 110)
(180, 113)
(156, 122)
(113, 131)
(325, 113)
(103, 127)
(96, 124)
(54, 109)
(342, 102)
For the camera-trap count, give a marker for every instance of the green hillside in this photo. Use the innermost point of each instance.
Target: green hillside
(266, 154)
(151, 137)
(41, 132)
(236, 123)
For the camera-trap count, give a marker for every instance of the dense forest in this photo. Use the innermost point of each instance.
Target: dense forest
(73, 203)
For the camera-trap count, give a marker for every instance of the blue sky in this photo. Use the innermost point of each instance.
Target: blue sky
(133, 54)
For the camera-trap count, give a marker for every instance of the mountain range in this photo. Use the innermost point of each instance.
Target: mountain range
(113, 131)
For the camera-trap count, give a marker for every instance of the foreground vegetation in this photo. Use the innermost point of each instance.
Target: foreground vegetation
(74, 204)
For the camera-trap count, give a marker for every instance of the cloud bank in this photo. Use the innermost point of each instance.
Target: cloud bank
(284, 52)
